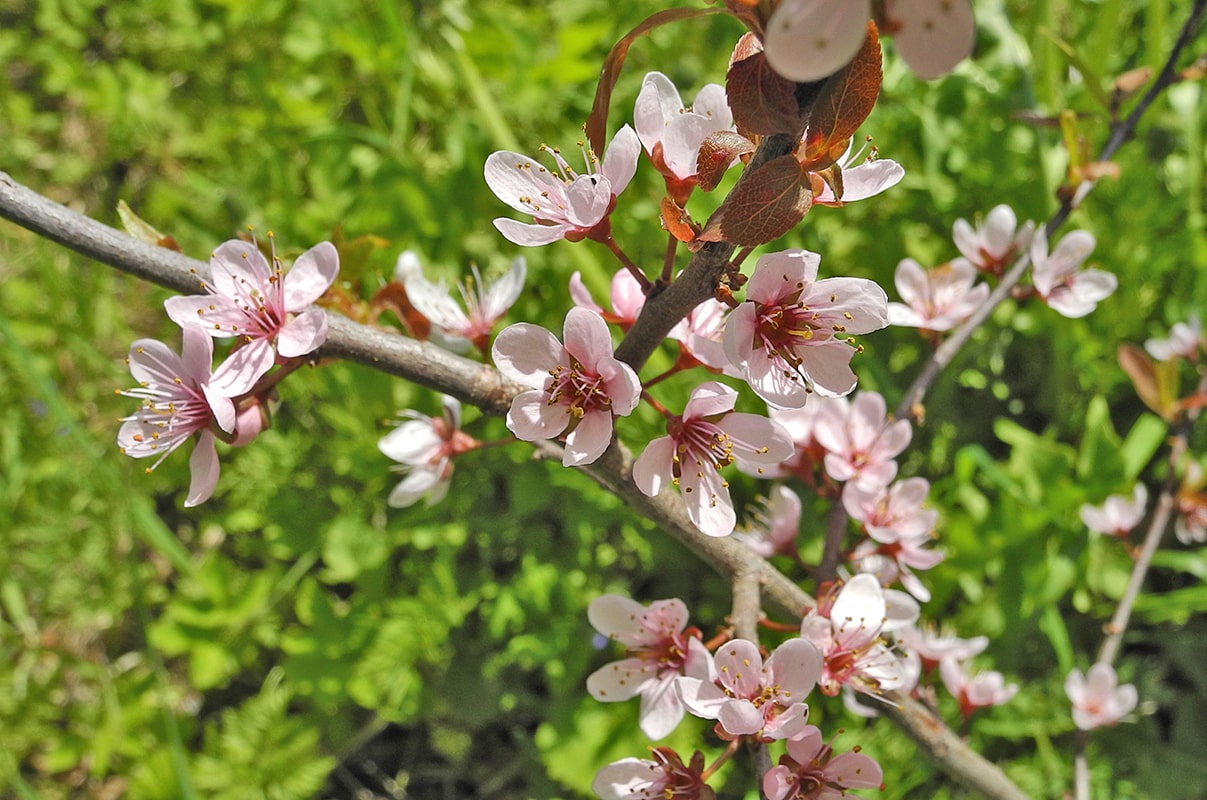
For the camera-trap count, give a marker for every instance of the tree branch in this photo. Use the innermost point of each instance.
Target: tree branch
(482, 386)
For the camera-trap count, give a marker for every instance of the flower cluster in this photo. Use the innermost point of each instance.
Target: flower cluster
(268, 312)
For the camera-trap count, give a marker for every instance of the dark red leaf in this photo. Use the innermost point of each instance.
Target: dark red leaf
(716, 154)
(764, 205)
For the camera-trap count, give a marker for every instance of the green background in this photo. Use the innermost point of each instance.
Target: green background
(294, 637)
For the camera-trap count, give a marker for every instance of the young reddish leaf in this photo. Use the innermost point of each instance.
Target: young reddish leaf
(597, 122)
(764, 205)
(142, 230)
(846, 99)
(763, 101)
(716, 154)
(1155, 383)
(677, 221)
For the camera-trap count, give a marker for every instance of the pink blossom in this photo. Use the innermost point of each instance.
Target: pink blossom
(891, 514)
(899, 529)
(861, 444)
(792, 336)
(807, 453)
(995, 240)
(807, 40)
(932, 36)
(565, 204)
(776, 524)
(938, 299)
(1070, 291)
(701, 333)
(753, 697)
(484, 306)
(658, 650)
(627, 298)
(932, 647)
(180, 402)
(672, 134)
(1117, 515)
(1184, 341)
(578, 388)
(1097, 698)
(709, 436)
(982, 690)
(862, 177)
(260, 305)
(811, 771)
(847, 631)
(424, 448)
(666, 776)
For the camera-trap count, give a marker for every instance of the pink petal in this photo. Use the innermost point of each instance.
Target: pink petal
(586, 337)
(414, 442)
(652, 469)
(619, 680)
(740, 717)
(932, 37)
(623, 386)
(530, 234)
(514, 175)
(829, 368)
(657, 103)
(777, 274)
(708, 399)
(794, 667)
(235, 265)
(740, 668)
(218, 316)
(807, 40)
(525, 353)
(581, 296)
(242, 368)
(532, 418)
(614, 615)
(855, 771)
(303, 334)
(661, 709)
(589, 439)
(620, 160)
(203, 467)
(311, 275)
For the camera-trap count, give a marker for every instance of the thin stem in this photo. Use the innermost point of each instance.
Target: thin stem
(911, 403)
(836, 527)
(633, 269)
(668, 263)
(1081, 767)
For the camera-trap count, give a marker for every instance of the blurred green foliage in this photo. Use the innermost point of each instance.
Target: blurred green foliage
(295, 638)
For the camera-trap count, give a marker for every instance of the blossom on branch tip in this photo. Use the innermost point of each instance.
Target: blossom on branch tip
(847, 631)
(811, 771)
(709, 436)
(658, 649)
(753, 697)
(261, 304)
(931, 647)
(424, 448)
(672, 133)
(1117, 515)
(627, 298)
(995, 241)
(807, 40)
(1184, 341)
(484, 306)
(1097, 698)
(179, 401)
(776, 524)
(982, 690)
(666, 776)
(1070, 291)
(565, 204)
(899, 529)
(862, 176)
(861, 444)
(793, 334)
(936, 299)
(578, 387)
